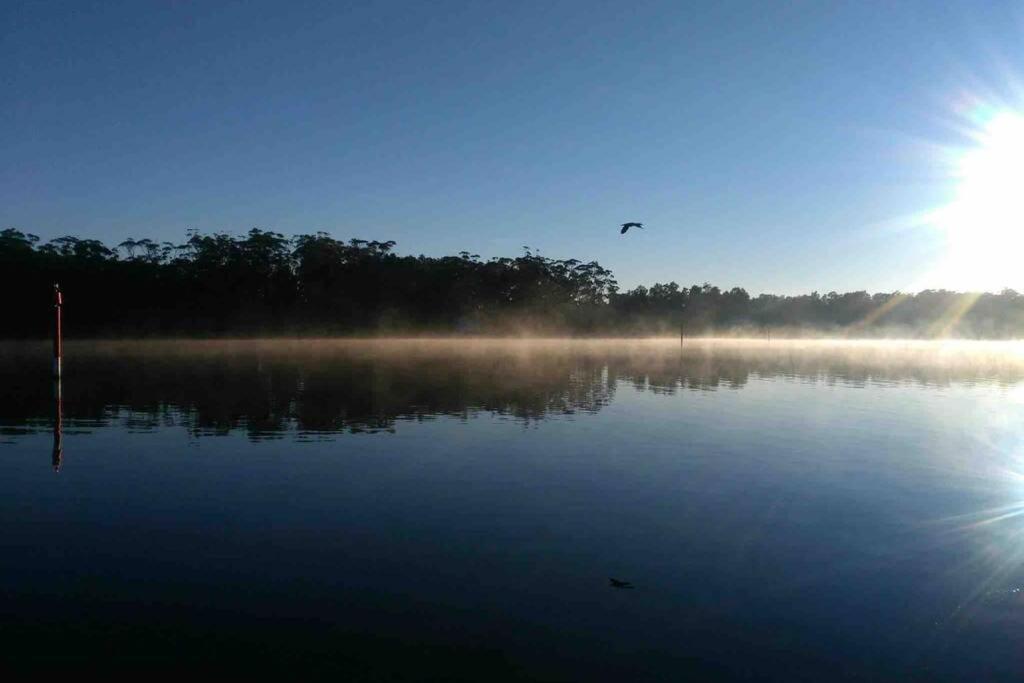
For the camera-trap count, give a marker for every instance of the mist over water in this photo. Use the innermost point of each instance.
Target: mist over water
(270, 387)
(787, 510)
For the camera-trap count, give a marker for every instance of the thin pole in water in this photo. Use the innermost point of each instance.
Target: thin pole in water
(58, 333)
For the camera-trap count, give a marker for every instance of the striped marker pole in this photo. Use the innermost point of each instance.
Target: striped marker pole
(58, 338)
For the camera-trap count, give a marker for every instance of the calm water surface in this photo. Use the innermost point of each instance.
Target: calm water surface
(411, 510)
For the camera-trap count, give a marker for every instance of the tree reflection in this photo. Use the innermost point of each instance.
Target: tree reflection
(320, 388)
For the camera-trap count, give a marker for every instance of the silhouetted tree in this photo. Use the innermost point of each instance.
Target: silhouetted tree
(266, 283)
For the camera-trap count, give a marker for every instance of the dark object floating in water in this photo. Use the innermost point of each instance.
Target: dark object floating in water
(615, 583)
(627, 226)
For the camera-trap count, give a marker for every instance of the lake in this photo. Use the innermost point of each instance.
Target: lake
(454, 510)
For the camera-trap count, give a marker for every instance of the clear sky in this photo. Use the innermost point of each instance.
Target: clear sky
(777, 146)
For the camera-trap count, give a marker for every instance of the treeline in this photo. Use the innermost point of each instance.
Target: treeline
(266, 283)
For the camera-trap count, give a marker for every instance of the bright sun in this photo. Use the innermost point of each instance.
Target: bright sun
(984, 224)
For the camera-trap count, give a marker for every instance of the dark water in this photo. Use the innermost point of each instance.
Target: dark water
(427, 510)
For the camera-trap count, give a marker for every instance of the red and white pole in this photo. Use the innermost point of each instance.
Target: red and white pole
(58, 338)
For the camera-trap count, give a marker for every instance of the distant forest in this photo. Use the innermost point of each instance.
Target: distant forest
(264, 283)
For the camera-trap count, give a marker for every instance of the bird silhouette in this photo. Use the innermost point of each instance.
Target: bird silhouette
(627, 226)
(616, 583)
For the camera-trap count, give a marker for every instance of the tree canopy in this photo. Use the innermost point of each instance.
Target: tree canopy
(266, 283)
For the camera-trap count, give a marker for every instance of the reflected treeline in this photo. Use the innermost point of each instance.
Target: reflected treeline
(314, 388)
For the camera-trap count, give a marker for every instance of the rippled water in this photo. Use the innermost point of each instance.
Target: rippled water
(454, 510)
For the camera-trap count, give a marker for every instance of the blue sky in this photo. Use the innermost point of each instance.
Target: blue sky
(777, 146)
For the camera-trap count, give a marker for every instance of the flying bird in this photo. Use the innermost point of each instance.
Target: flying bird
(627, 226)
(616, 583)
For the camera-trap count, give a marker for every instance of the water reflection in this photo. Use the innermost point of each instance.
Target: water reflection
(313, 389)
(769, 524)
(57, 458)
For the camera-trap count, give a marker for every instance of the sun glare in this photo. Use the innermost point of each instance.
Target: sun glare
(984, 224)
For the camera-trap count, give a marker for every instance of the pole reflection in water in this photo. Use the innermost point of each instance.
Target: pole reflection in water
(58, 427)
